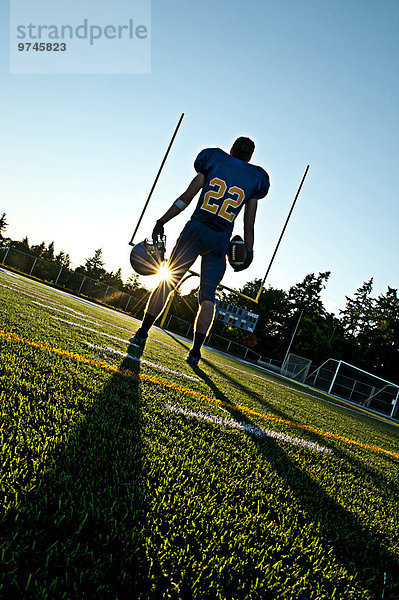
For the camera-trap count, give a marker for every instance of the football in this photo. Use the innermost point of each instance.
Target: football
(237, 251)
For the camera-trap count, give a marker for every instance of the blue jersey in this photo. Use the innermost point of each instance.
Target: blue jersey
(229, 184)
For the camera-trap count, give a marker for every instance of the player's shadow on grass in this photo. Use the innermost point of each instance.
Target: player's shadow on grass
(79, 534)
(240, 387)
(177, 340)
(372, 473)
(362, 552)
(230, 406)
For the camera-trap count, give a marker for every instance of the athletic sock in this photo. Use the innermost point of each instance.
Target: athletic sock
(147, 322)
(199, 339)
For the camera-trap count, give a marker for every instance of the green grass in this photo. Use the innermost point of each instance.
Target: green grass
(107, 494)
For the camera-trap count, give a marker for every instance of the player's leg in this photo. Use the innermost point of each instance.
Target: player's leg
(158, 298)
(203, 323)
(204, 317)
(183, 255)
(153, 309)
(213, 267)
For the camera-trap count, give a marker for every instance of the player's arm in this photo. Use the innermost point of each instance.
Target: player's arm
(184, 200)
(249, 226)
(249, 223)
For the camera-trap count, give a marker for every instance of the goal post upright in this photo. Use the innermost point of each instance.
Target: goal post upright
(281, 235)
(156, 178)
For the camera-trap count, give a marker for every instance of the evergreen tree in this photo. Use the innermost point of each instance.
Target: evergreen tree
(22, 246)
(311, 339)
(94, 266)
(306, 295)
(385, 335)
(113, 279)
(63, 259)
(48, 253)
(3, 225)
(38, 250)
(133, 283)
(356, 316)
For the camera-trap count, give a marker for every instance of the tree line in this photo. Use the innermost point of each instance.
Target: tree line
(93, 267)
(365, 333)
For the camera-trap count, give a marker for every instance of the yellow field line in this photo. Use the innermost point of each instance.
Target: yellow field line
(173, 386)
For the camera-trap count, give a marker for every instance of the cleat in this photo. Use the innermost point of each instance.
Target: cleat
(192, 360)
(138, 341)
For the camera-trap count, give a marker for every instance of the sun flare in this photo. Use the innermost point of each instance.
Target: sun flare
(164, 273)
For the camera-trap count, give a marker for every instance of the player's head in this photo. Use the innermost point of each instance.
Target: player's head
(243, 148)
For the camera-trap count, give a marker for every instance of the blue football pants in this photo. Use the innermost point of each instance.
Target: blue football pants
(195, 240)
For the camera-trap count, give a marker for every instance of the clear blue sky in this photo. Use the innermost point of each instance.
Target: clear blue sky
(312, 82)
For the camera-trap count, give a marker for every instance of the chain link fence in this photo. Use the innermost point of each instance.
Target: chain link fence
(72, 281)
(185, 329)
(177, 325)
(240, 351)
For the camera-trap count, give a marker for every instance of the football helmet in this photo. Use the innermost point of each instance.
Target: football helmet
(146, 257)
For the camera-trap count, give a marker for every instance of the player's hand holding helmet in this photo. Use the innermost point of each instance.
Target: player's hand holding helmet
(159, 241)
(157, 231)
(147, 256)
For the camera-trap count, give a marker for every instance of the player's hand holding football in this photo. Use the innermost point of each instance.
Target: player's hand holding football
(246, 263)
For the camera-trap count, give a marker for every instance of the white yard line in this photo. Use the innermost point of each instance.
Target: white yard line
(107, 335)
(246, 428)
(124, 354)
(19, 291)
(65, 312)
(142, 361)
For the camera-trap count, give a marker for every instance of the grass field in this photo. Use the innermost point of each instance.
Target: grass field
(150, 479)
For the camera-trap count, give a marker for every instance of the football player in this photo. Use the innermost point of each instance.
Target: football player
(228, 182)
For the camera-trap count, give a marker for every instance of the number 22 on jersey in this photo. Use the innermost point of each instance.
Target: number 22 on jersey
(217, 194)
